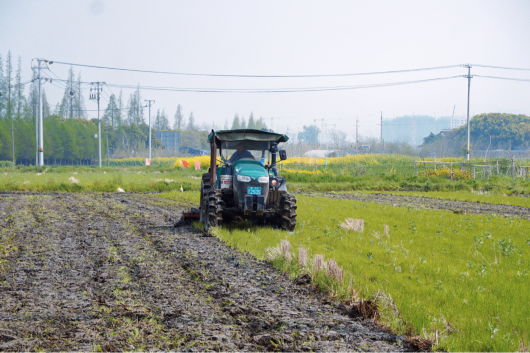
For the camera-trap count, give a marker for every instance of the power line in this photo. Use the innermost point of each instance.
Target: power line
(257, 76)
(504, 78)
(501, 67)
(275, 90)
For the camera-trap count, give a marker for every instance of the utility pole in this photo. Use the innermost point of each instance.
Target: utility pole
(324, 135)
(107, 134)
(13, 141)
(356, 133)
(40, 128)
(72, 93)
(11, 116)
(468, 93)
(382, 143)
(95, 96)
(149, 102)
(35, 102)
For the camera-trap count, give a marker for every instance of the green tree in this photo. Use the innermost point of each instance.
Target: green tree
(19, 99)
(191, 123)
(46, 110)
(251, 123)
(135, 108)
(8, 89)
(2, 88)
(235, 123)
(179, 119)
(111, 114)
(309, 134)
(260, 124)
(67, 106)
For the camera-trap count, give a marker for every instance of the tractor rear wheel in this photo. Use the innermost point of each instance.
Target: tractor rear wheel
(205, 187)
(214, 209)
(288, 212)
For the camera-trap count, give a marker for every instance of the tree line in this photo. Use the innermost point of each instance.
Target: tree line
(70, 129)
(494, 131)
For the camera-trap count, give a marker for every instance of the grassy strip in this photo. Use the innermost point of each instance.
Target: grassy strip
(496, 199)
(85, 179)
(393, 182)
(465, 277)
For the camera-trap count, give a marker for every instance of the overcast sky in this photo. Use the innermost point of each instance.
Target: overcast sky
(284, 38)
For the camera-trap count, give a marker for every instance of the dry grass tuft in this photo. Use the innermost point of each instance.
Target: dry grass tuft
(273, 253)
(318, 263)
(357, 225)
(302, 257)
(387, 230)
(286, 250)
(334, 271)
(73, 180)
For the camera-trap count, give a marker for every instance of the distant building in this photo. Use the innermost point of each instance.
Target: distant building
(319, 153)
(457, 122)
(170, 140)
(413, 129)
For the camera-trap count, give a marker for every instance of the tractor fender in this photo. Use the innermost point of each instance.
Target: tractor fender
(282, 189)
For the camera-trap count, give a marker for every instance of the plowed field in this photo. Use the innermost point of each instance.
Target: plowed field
(111, 272)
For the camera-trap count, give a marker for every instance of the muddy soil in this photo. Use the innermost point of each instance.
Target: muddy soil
(111, 272)
(429, 203)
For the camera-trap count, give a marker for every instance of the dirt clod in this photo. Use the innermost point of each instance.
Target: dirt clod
(303, 279)
(418, 344)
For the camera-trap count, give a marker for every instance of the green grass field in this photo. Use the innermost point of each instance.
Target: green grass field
(464, 276)
(107, 179)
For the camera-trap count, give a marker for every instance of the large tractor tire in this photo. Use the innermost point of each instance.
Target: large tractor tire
(288, 213)
(211, 204)
(205, 187)
(214, 209)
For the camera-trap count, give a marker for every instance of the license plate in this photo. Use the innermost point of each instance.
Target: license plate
(253, 191)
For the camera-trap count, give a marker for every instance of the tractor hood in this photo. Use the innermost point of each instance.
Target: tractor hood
(253, 169)
(247, 135)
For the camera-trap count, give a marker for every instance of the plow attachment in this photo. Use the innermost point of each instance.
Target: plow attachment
(188, 217)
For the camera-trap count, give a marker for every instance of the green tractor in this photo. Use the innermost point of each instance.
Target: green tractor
(244, 186)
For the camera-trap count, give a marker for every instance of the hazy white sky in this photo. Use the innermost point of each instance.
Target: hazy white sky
(284, 38)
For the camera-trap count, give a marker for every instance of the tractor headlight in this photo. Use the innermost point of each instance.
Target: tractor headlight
(263, 179)
(243, 178)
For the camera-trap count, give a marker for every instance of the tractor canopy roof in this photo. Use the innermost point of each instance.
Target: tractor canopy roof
(247, 135)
